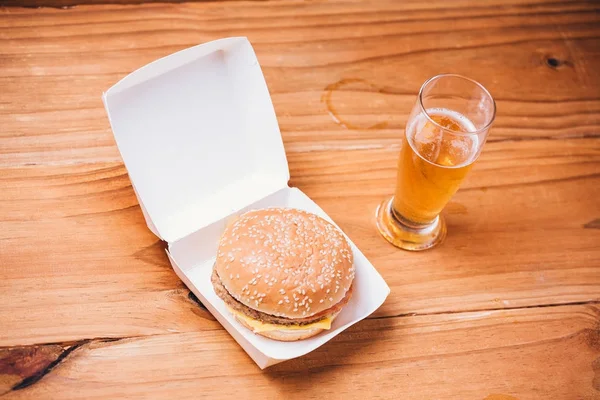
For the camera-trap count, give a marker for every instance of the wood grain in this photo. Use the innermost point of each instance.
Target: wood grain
(550, 351)
(507, 306)
(505, 45)
(64, 4)
(494, 256)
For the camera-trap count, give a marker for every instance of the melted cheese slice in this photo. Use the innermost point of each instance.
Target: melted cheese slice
(258, 326)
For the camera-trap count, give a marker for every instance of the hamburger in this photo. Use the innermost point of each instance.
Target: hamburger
(283, 273)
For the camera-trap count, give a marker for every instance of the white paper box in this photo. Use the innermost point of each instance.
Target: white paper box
(199, 137)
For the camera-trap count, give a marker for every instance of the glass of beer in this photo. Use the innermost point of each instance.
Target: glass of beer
(444, 135)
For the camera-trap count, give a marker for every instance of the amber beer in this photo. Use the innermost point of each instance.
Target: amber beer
(445, 132)
(432, 164)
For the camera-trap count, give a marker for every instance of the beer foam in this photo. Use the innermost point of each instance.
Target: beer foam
(459, 145)
(466, 123)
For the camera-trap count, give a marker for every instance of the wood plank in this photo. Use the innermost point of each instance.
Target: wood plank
(78, 260)
(78, 256)
(553, 353)
(53, 72)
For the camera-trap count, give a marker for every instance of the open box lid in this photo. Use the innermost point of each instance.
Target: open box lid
(199, 136)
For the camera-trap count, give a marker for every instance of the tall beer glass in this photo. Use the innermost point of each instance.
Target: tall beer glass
(444, 135)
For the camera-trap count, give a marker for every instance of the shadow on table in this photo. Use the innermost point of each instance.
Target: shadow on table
(359, 344)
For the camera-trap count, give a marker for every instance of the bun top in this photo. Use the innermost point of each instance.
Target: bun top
(285, 262)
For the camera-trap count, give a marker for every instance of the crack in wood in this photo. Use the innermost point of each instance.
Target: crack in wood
(574, 303)
(595, 224)
(106, 212)
(195, 299)
(69, 4)
(32, 379)
(30, 354)
(540, 182)
(532, 139)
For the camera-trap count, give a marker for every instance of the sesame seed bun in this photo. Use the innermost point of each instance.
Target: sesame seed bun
(256, 315)
(285, 263)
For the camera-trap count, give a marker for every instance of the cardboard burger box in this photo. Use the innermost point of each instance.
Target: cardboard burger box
(199, 137)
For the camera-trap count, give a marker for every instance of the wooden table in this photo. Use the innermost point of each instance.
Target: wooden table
(508, 307)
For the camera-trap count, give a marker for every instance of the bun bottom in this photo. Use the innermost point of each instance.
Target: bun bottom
(286, 335)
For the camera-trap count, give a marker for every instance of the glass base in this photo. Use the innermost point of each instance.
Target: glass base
(405, 236)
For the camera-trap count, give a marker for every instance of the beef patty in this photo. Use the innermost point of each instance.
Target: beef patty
(272, 319)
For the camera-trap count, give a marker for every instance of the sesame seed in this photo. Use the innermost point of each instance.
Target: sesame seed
(280, 302)
(320, 301)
